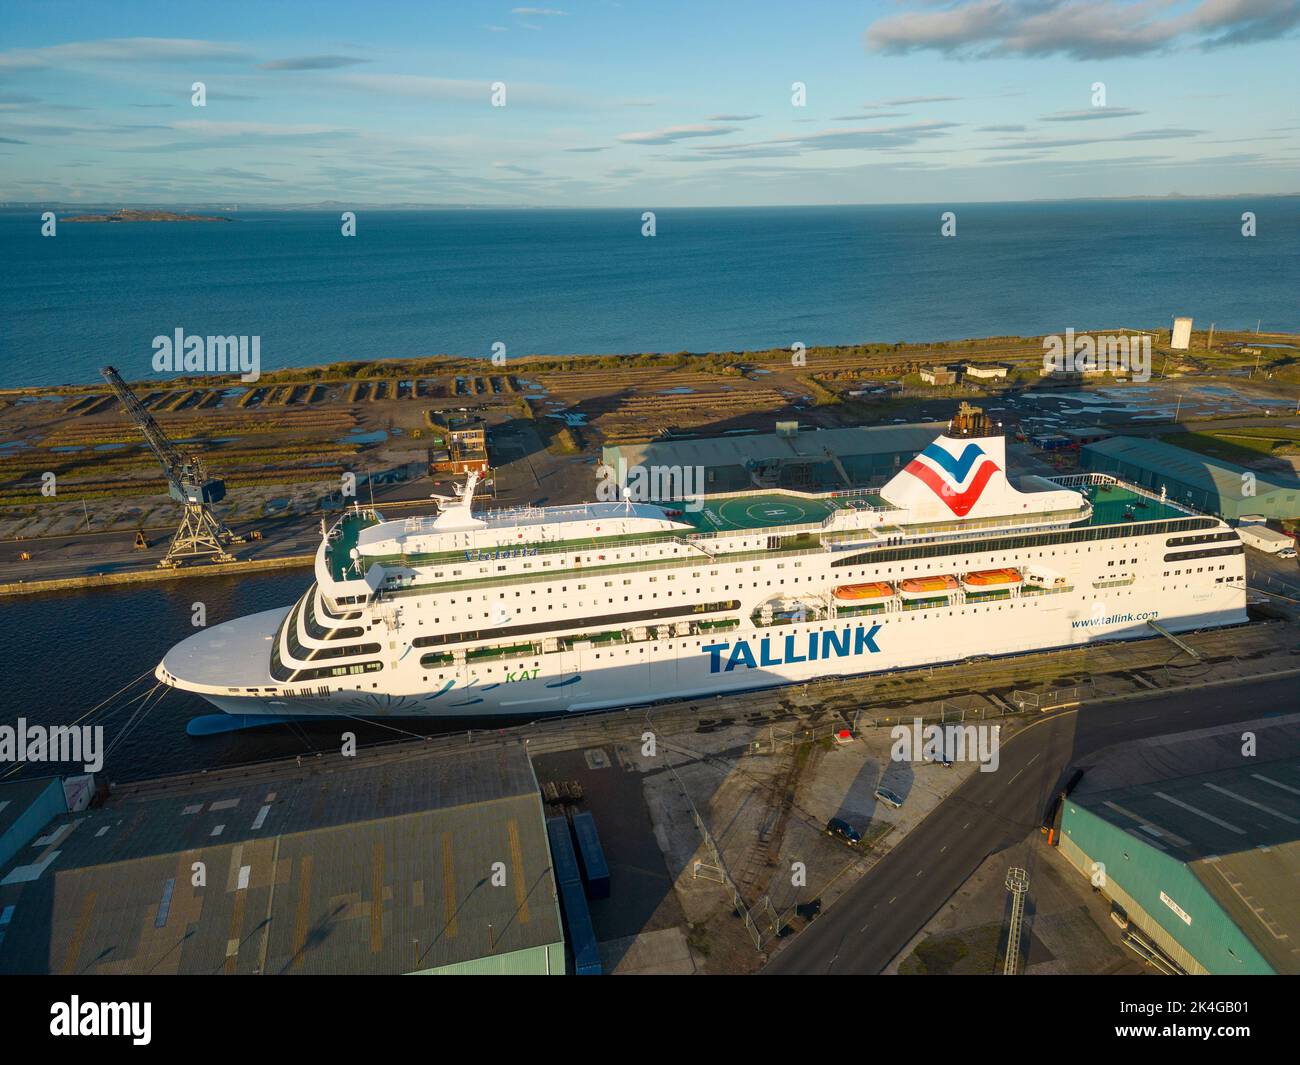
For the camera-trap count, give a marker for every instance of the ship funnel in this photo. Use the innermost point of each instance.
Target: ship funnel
(963, 474)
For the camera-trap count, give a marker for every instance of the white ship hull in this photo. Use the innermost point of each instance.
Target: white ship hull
(672, 669)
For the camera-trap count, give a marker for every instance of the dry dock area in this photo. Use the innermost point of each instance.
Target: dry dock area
(711, 815)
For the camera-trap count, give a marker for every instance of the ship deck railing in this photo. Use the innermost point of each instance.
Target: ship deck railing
(471, 555)
(952, 530)
(702, 542)
(589, 570)
(688, 562)
(1092, 478)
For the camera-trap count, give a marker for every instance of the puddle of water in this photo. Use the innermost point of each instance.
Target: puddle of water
(376, 437)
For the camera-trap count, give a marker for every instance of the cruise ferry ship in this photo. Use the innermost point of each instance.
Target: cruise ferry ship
(541, 610)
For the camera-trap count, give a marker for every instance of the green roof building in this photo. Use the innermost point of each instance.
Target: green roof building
(1208, 484)
(1205, 866)
(398, 860)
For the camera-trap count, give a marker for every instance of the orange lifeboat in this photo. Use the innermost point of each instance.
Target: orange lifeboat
(927, 586)
(991, 578)
(858, 592)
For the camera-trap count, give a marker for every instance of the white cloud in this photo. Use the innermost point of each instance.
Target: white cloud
(313, 62)
(120, 50)
(670, 134)
(423, 86)
(1091, 114)
(1081, 29)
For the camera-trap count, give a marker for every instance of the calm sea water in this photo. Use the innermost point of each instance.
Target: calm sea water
(66, 653)
(563, 282)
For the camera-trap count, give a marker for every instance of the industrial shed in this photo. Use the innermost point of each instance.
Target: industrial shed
(1208, 484)
(397, 860)
(1205, 864)
(798, 458)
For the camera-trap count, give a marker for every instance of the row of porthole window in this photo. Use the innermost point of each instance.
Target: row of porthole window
(882, 621)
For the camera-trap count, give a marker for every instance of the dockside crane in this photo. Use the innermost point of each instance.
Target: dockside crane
(201, 534)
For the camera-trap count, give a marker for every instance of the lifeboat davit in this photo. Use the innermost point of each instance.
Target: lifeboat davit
(857, 592)
(922, 587)
(983, 579)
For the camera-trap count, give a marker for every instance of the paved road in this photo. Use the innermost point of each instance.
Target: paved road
(880, 914)
(1272, 574)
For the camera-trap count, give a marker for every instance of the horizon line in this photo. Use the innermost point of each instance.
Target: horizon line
(225, 203)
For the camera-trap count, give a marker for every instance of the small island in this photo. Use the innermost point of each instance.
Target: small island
(127, 215)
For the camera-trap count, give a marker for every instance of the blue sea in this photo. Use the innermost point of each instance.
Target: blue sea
(587, 282)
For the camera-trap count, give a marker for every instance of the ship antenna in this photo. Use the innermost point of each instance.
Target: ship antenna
(467, 493)
(459, 516)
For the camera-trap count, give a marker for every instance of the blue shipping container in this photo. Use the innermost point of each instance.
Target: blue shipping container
(562, 857)
(591, 855)
(577, 918)
(582, 937)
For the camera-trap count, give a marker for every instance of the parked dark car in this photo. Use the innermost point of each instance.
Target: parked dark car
(889, 798)
(841, 829)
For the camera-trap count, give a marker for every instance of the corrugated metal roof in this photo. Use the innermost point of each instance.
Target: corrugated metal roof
(808, 445)
(381, 863)
(1237, 829)
(1210, 814)
(1189, 467)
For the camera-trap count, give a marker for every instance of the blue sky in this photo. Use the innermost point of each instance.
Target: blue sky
(647, 104)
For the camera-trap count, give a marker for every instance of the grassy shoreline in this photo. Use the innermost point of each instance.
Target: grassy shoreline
(997, 348)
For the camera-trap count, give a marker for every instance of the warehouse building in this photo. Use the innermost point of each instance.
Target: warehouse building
(985, 371)
(1208, 484)
(1204, 865)
(940, 375)
(399, 860)
(793, 457)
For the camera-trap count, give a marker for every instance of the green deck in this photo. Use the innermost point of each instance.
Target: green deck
(771, 510)
(340, 551)
(1108, 508)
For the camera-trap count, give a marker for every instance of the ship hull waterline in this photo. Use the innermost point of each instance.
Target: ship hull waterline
(567, 689)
